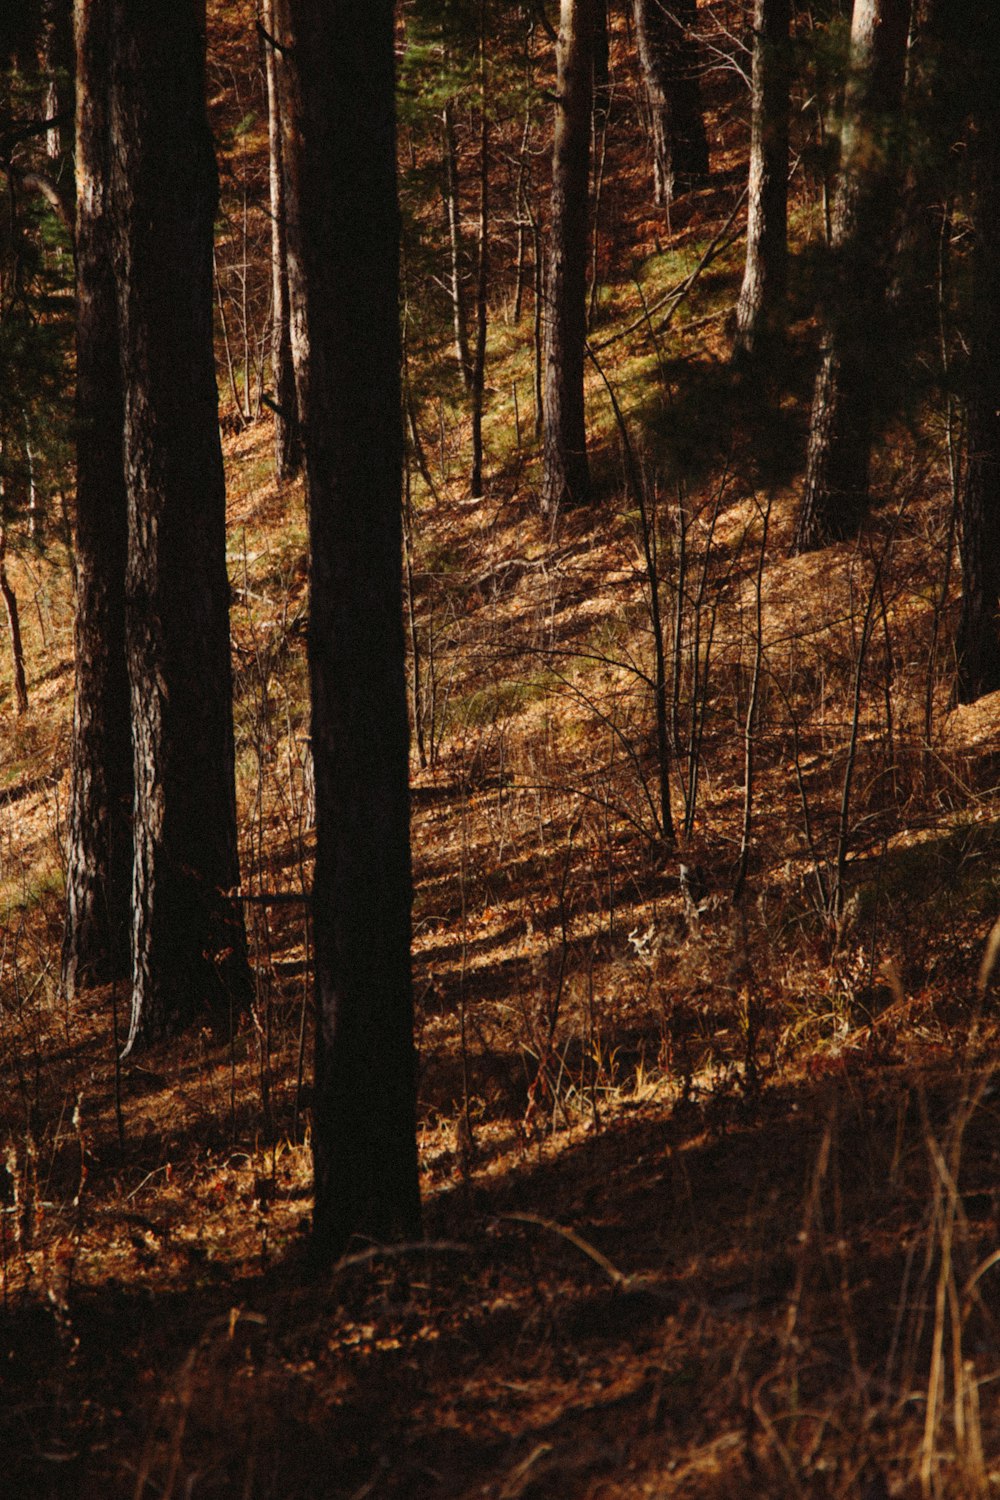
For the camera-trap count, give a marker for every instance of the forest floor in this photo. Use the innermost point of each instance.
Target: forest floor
(710, 1189)
(710, 1164)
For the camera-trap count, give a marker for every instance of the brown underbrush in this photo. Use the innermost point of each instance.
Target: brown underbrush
(707, 1124)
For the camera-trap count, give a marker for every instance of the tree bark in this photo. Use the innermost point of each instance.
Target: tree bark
(848, 385)
(344, 270)
(99, 845)
(287, 442)
(669, 61)
(760, 311)
(566, 475)
(188, 943)
(978, 643)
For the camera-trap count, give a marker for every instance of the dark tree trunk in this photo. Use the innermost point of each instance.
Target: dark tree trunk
(760, 312)
(287, 443)
(99, 845)
(668, 57)
(344, 267)
(978, 644)
(854, 370)
(188, 947)
(14, 631)
(566, 477)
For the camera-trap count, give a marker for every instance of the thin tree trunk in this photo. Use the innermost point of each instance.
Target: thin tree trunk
(14, 629)
(851, 378)
(669, 61)
(602, 66)
(452, 214)
(99, 843)
(188, 947)
(287, 442)
(760, 311)
(482, 271)
(56, 61)
(344, 272)
(566, 476)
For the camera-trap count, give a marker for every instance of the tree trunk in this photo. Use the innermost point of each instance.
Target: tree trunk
(452, 214)
(669, 61)
(55, 56)
(344, 268)
(188, 945)
(760, 311)
(287, 442)
(99, 845)
(566, 476)
(482, 271)
(978, 643)
(853, 369)
(602, 66)
(14, 629)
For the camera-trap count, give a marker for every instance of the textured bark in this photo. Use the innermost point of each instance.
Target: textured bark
(287, 441)
(188, 946)
(669, 61)
(566, 476)
(99, 843)
(978, 644)
(344, 268)
(760, 311)
(850, 379)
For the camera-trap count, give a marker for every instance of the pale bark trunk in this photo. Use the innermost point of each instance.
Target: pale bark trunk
(669, 62)
(848, 385)
(287, 443)
(760, 311)
(452, 214)
(482, 273)
(566, 476)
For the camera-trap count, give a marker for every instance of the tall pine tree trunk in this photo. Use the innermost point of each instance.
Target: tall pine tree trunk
(344, 266)
(287, 444)
(978, 644)
(99, 844)
(669, 62)
(566, 474)
(850, 380)
(189, 952)
(760, 312)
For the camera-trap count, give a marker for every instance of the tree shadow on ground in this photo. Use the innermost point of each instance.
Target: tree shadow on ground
(607, 1309)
